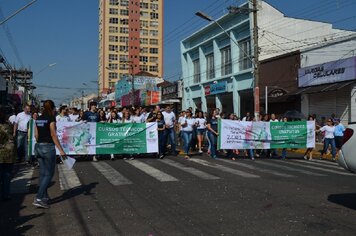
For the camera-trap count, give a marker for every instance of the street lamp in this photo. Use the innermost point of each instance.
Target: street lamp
(46, 67)
(255, 62)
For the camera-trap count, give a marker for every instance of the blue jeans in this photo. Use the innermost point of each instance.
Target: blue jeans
(327, 142)
(187, 139)
(161, 141)
(213, 144)
(22, 146)
(284, 153)
(171, 134)
(46, 154)
(5, 179)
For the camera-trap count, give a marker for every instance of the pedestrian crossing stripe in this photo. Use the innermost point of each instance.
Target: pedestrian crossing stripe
(151, 171)
(288, 168)
(321, 169)
(224, 168)
(112, 175)
(320, 164)
(68, 179)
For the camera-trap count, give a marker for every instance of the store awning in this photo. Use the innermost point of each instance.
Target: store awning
(168, 101)
(324, 87)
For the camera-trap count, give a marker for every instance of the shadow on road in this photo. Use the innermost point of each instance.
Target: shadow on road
(346, 199)
(84, 189)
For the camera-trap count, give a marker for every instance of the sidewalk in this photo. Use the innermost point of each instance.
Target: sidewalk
(316, 152)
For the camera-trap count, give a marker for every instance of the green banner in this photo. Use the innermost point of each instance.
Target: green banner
(289, 134)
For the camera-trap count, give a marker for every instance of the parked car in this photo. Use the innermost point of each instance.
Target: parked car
(347, 154)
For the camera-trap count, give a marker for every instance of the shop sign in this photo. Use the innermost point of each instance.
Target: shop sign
(219, 87)
(330, 72)
(170, 91)
(275, 93)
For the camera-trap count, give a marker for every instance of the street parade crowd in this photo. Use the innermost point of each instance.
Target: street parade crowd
(194, 132)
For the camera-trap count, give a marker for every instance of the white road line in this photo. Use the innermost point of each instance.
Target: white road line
(320, 168)
(280, 166)
(155, 173)
(319, 164)
(68, 179)
(225, 169)
(22, 181)
(325, 162)
(190, 170)
(112, 175)
(268, 171)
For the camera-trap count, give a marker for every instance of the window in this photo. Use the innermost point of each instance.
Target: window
(144, 14)
(124, 48)
(196, 68)
(113, 29)
(124, 39)
(113, 75)
(144, 5)
(154, 24)
(245, 55)
(124, 3)
(113, 38)
(226, 61)
(154, 15)
(124, 66)
(143, 59)
(153, 32)
(143, 41)
(124, 30)
(111, 84)
(114, 20)
(112, 57)
(154, 41)
(154, 6)
(124, 12)
(144, 50)
(114, 2)
(114, 11)
(143, 68)
(113, 66)
(154, 50)
(154, 68)
(143, 23)
(124, 58)
(113, 48)
(210, 71)
(143, 32)
(154, 59)
(124, 21)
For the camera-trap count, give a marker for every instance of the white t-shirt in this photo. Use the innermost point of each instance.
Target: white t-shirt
(190, 124)
(73, 117)
(21, 120)
(137, 119)
(329, 131)
(127, 121)
(169, 118)
(12, 119)
(60, 118)
(201, 123)
(275, 120)
(180, 121)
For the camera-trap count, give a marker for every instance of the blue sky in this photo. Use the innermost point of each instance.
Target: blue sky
(66, 32)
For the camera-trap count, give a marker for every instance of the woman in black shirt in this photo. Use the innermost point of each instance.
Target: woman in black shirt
(161, 134)
(212, 127)
(47, 140)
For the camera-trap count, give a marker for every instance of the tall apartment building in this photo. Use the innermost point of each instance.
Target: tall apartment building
(130, 40)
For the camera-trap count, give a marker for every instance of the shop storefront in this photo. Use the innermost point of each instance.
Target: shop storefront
(327, 89)
(171, 95)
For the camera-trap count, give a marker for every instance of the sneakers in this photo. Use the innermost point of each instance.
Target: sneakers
(40, 204)
(200, 151)
(132, 158)
(112, 157)
(161, 156)
(94, 159)
(305, 157)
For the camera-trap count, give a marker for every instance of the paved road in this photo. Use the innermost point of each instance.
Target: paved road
(174, 196)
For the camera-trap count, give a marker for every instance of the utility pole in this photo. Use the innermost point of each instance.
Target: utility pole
(82, 105)
(256, 61)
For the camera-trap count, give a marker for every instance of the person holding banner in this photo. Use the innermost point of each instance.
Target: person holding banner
(329, 139)
(212, 127)
(161, 134)
(187, 124)
(113, 118)
(47, 140)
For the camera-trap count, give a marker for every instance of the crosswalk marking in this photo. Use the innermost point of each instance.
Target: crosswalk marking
(190, 170)
(320, 164)
(22, 181)
(258, 169)
(325, 162)
(112, 175)
(288, 168)
(224, 168)
(321, 169)
(155, 173)
(68, 179)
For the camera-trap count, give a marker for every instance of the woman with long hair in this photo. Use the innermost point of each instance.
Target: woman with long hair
(102, 116)
(212, 127)
(113, 118)
(200, 123)
(45, 151)
(329, 138)
(161, 133)
(309, 151)
(187, 130)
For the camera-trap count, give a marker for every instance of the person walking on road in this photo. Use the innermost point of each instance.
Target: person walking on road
(339, 134)
(91, 116)
(170, 120)
(47, 140)
(212, 127)
(187, 130)
(20, 133)
(329, 139)
(200, 122)
(161, 134)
